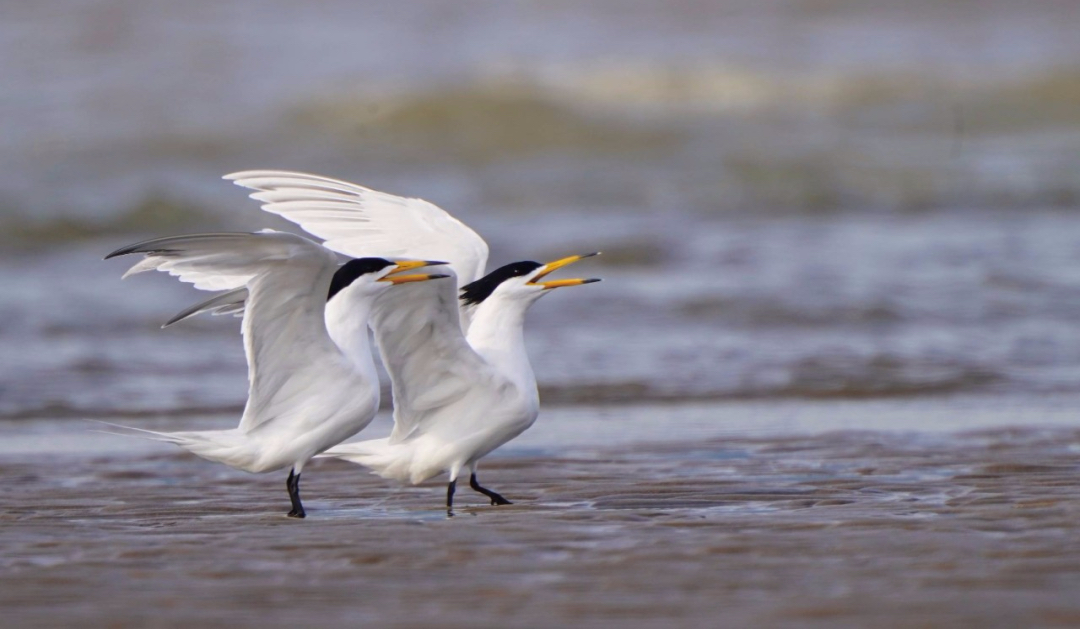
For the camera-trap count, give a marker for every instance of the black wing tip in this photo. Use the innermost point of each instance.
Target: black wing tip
(122, 251)
(175, 319)
(162, 245)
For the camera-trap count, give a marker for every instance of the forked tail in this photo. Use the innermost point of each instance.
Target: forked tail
(230, 447)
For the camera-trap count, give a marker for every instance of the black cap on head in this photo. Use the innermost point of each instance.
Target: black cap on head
(482, 288)
(348, 272)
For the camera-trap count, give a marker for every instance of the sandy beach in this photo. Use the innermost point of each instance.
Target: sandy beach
(839, 529)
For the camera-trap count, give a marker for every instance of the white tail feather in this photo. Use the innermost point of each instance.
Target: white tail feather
(230, 447)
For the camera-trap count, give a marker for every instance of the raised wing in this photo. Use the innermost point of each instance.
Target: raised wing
(207, 261)
(285, 340)
(430, 363)
(358, 222)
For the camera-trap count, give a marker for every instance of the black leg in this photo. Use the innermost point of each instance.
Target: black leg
(496, 499)
(293, 485)
(450, 489)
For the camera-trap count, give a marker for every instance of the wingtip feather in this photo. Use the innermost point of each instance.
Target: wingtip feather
(122, 251)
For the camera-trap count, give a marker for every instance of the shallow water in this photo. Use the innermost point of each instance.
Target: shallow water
(842, 307)
(789, 205)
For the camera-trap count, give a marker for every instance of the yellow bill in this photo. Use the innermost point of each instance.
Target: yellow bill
(408, 265)
(417, 277)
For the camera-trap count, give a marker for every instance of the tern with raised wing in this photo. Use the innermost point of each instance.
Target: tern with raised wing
(305, 393)
(461, 379)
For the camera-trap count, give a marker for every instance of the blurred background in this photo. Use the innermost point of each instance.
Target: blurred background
(797, 199)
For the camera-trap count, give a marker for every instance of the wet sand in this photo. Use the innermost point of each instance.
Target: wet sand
(833, 530)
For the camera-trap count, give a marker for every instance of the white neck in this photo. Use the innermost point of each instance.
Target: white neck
(497, 334)
(347, 324)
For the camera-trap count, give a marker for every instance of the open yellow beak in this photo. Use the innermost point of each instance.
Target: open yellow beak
(408, 265)
(558, 264)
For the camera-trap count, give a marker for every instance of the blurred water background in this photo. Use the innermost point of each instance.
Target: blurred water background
(797, 199)
(830, 379)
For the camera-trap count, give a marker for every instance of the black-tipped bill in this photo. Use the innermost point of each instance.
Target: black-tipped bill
(558, 264)
(573, 282)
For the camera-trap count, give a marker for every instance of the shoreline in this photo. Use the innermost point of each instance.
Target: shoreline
(588, 427)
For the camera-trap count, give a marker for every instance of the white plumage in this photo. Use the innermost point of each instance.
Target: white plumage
(453, 404)
(304, 394)
(461, 380)
(351, 218)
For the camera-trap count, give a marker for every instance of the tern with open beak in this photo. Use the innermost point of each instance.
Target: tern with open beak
(457, 397)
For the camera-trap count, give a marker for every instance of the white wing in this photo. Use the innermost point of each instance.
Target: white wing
(207, 261)
(359, 222)
(285, 338)
(430, 363)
